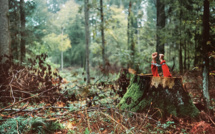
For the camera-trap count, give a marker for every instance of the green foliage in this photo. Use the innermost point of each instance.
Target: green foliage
(165, 125)
(46, 20)
(86, 131)
(59, 42)
(28, 125)
(10, 126)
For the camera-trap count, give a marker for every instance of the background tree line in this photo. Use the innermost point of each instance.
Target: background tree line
(122, 32)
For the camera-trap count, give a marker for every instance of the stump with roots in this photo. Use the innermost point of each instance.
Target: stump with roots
(163, 93)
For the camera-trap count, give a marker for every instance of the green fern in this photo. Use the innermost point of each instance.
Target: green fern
(28, 125)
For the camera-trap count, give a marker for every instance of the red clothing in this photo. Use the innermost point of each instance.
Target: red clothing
(154, 69)
(165, 69)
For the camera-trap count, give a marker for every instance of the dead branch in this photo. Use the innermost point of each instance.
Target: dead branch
(88, 122)
(20, 110)
(26, 99)
(114, 120)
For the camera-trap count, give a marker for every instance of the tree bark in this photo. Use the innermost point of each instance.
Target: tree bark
(164, 93)
(161, 21)
(22, 19)
(61, 53)
(61, 67)
(206, 28)
(185, 55)
(180, 47)
(87, 38)
(180, 58)
(102, 33)
(130, 33)
(129, 21)
(4, 28)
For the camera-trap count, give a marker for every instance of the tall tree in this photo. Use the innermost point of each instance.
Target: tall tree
(180, 40)
(102, 32)
(129, 23)
(87, 37)
(161, 21)
(22, 19)
(14, 21)
(4, 28)
(206, 28)
(61, 65)
(131, 31)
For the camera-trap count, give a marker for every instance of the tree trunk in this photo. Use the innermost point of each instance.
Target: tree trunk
(129, 30)
(87, 38)
(188, 57)
(180, 59)
(129, 21)
(164, 93)
(61, 53)
(61, 65)
(185, 55)
(4, 28)
(102, 33)
(206, 28)
(22, 19)
(180, 48)
(161, 20)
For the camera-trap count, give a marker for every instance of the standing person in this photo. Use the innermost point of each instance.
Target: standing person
(154, 65)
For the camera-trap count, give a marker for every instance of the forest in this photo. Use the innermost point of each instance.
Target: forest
(107, 66)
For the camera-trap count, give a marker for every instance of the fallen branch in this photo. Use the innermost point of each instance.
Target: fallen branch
(26, 99)
(88, 122)
(20, 110)
(17, 125)
(114, 120)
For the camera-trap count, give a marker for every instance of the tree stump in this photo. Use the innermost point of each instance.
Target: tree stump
(164, 93)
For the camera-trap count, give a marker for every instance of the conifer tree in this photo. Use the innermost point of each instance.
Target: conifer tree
(4, 28)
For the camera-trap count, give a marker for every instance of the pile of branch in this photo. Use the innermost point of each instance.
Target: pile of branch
(123, 81)
(19, 81)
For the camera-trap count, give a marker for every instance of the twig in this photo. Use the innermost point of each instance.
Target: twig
(11, 89)
(98, 79)
(88, 122)
(114, 120)
(129, 112)
(37, 109)
(65, 92)
(24, 107)
(17, 126)
(26, 99)
(147, 112)
(21, 91)
(158, 110)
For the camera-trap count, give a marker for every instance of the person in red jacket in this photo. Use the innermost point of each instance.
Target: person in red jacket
(154, 66)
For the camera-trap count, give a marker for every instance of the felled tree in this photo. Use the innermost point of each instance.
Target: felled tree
(163, 93)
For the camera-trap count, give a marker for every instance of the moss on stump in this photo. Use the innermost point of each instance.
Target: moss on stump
(166, 94)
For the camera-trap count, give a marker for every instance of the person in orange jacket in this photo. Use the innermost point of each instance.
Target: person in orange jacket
(154, 65)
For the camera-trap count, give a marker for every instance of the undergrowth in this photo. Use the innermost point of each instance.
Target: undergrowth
(28, 125)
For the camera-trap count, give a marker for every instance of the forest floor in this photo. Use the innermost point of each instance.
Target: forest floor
(82, 108)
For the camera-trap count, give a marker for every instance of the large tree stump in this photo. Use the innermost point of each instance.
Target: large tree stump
(163, 93)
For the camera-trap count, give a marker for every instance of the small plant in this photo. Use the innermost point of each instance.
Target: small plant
(165, 125)
(28, 125)
(86, 131)
(14, 126)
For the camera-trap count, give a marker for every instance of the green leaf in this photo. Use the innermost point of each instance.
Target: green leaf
(86, 131)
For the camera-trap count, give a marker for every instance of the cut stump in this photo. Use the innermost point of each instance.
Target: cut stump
(163, 93)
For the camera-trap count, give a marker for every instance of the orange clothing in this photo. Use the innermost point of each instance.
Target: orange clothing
(154, 69)
(165, 68)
